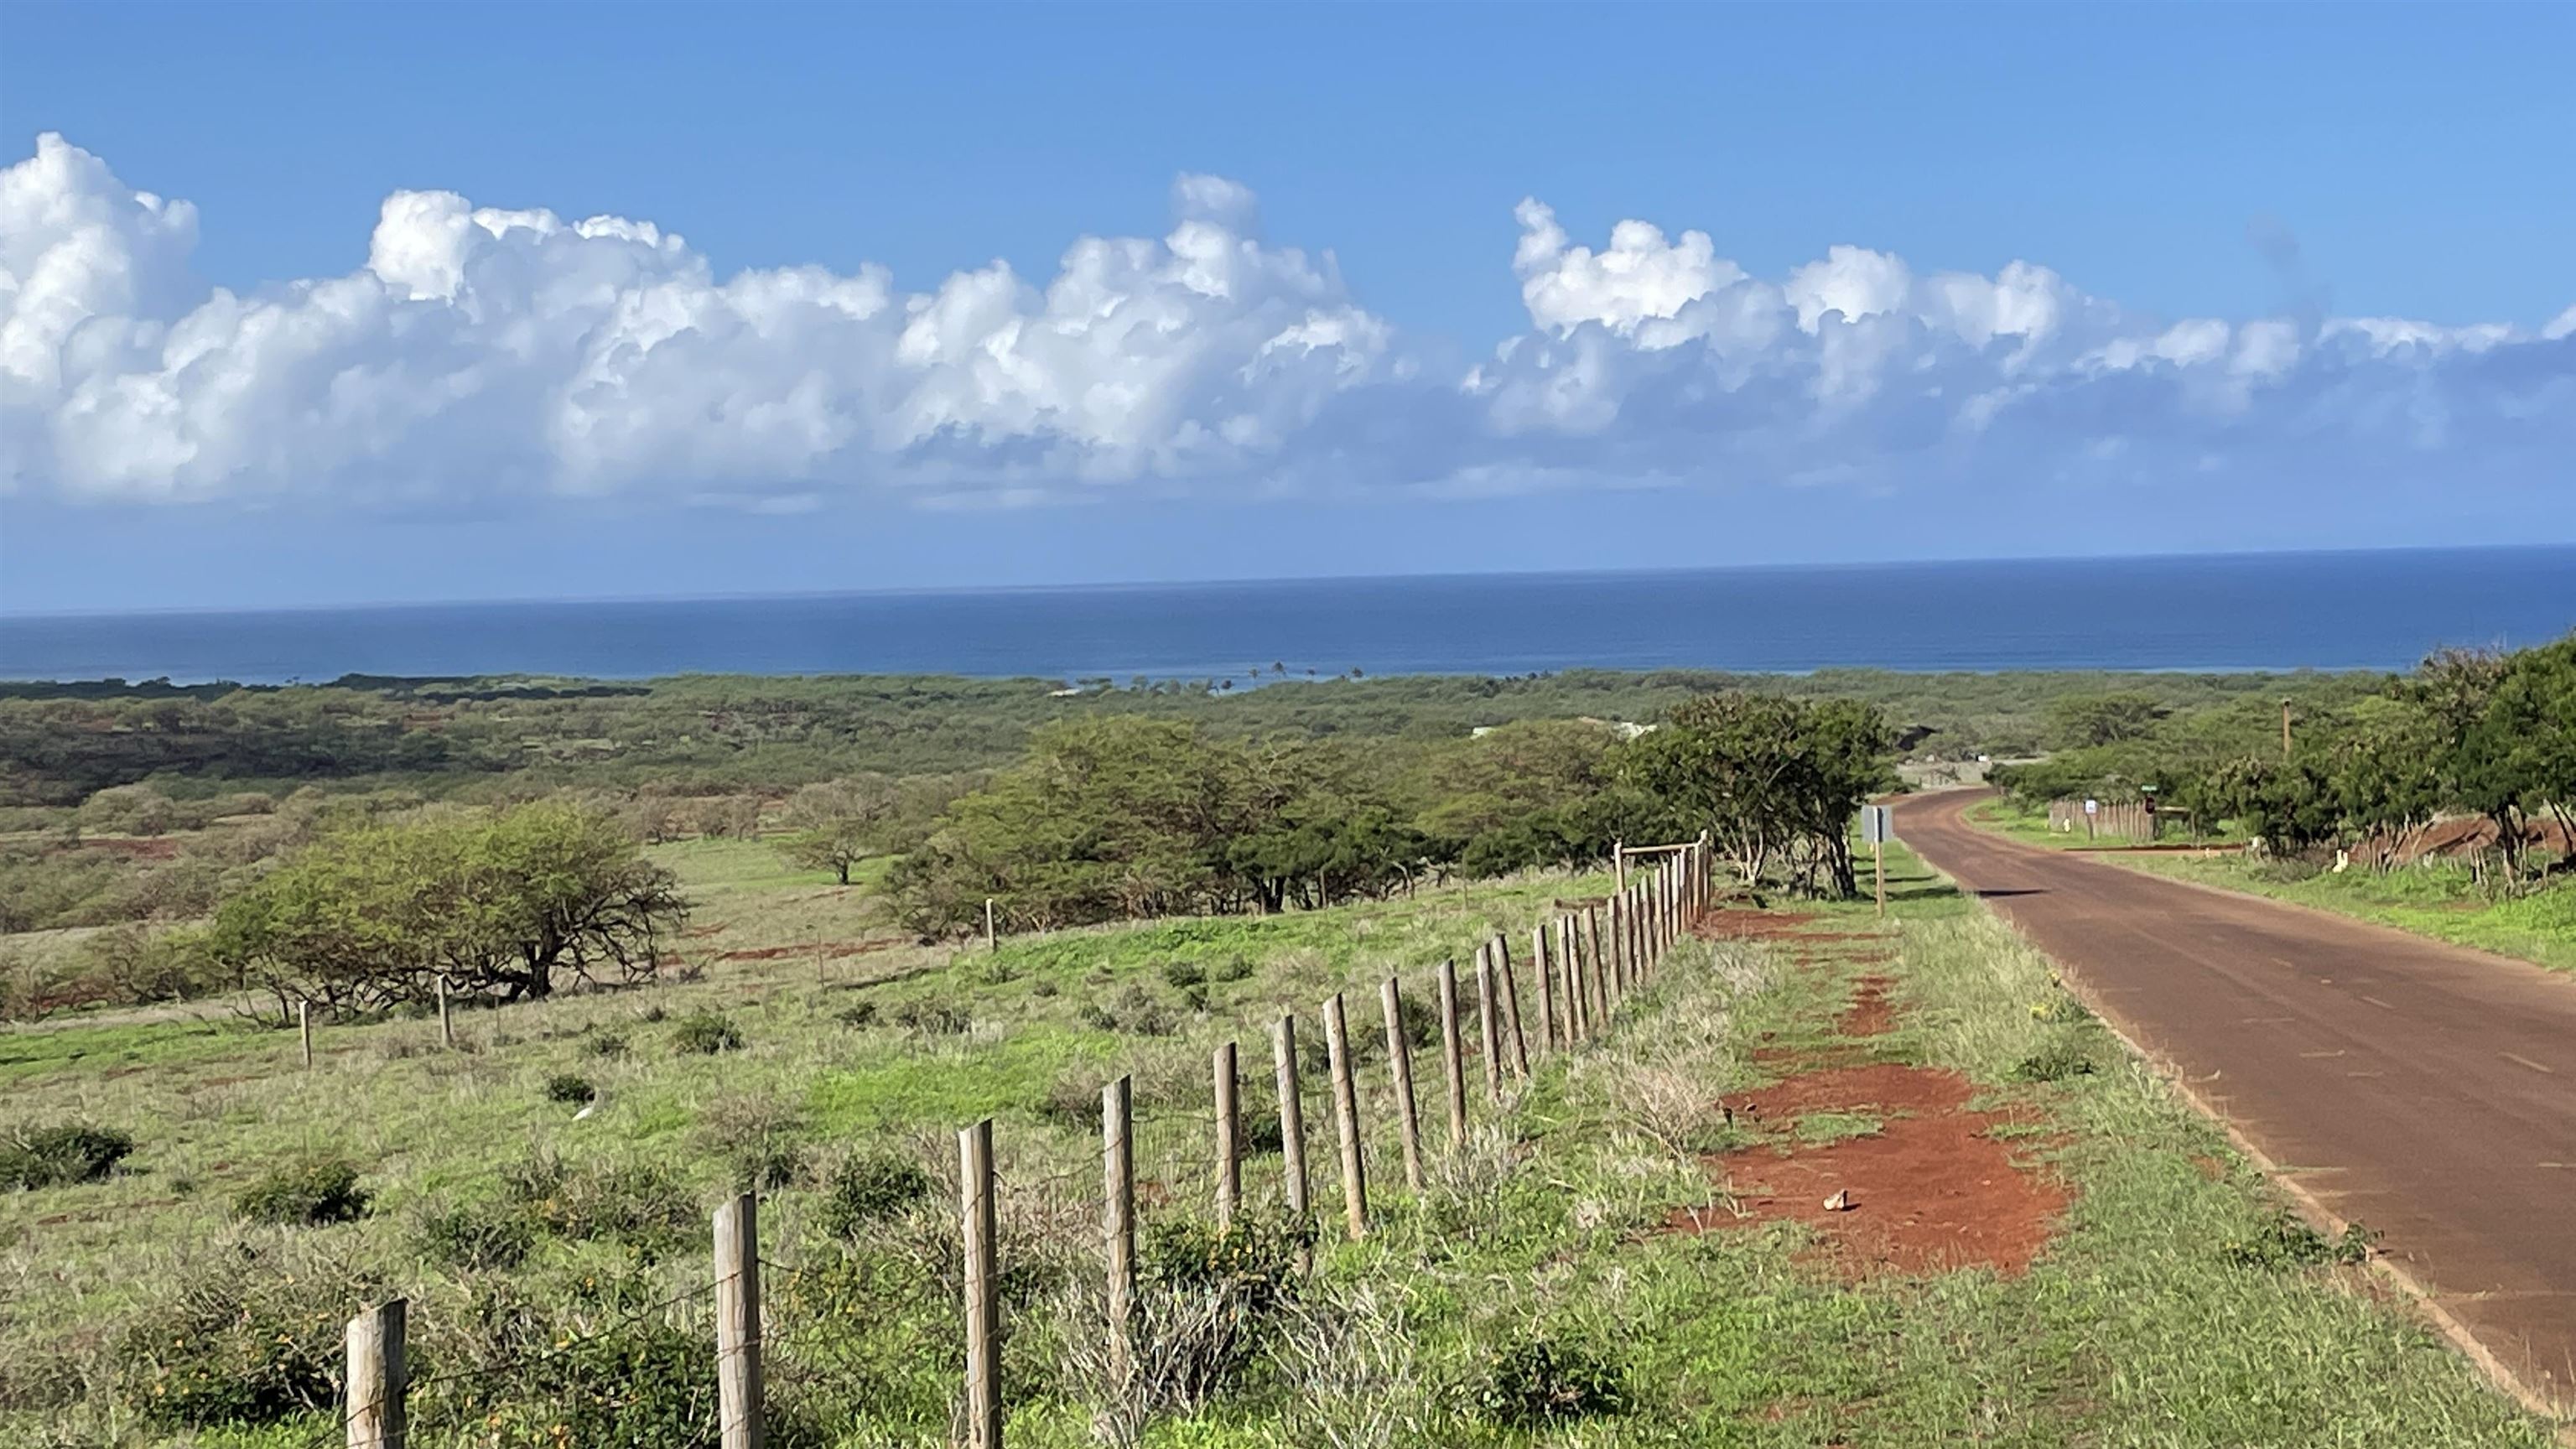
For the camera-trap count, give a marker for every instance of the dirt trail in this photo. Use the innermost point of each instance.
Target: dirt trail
(2426, 1090)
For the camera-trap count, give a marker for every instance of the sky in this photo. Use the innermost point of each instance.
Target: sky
(312, 305)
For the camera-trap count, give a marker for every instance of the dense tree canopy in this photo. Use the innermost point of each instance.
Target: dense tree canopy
(502, 904)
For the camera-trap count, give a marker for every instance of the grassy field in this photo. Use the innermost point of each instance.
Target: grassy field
(1606, 1244)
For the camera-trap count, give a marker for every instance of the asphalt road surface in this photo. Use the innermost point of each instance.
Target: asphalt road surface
(2425, 1090)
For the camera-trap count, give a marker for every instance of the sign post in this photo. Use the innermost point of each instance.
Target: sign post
(2092, 808)
(1878, 826)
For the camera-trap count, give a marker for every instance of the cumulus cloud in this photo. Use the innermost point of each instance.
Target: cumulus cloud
(490, 352)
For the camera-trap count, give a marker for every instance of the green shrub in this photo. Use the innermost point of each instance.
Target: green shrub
(1254, 1258)
(1233, 966)
(251, 1340)
(2285, 1240)
(705, 1033)
(637, 1204)
(604, 1044)
(1533, 1381)
(607, 1367)
(2053, 1062)
(477, 1235)
(1185, 974)
(1133, 1012)
(568, 1088)
(60, 1155)
(868, 1188)
(933, 1018)
(309, 1193)
(857, 1014)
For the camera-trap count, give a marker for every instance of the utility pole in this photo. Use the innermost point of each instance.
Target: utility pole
(2285, 731)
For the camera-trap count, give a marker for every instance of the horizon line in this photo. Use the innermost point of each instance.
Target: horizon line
(8, 615)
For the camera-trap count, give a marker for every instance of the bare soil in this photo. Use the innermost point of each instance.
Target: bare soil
(1929, 1192)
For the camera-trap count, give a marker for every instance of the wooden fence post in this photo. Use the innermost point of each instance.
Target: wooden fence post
(1452, 1055)
(378, 1377)
(1578, 1012)
(983, 1288)
(1292, 1126)
(446, 1026)
(1118, 1211)
(1511, 1005)
(1595, 985)
(1619, 865)
(304, 1030)
(1229, 1138)
(1489, 1026)
(1399, 1066)
(1543, 969)
(738, 1406)
(1346, 1119)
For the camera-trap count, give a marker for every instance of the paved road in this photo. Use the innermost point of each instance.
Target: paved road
(2426, 1090)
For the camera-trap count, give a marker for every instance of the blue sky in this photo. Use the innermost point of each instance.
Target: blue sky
(2114, 279)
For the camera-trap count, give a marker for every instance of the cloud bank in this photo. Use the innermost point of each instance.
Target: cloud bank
(490, 353)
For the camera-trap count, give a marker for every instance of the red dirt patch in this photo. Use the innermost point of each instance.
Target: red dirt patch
(1731, 923)
(1929, 1192)
(1870, 1012)
(800, 952)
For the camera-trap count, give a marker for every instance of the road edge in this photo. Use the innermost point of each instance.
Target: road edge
(2560, 1416)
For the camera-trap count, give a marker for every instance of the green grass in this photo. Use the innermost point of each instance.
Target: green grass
(2432, 898)
(2436, 899)
(2134, 1328)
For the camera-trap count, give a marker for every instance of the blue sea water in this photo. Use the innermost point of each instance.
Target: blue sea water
(2215, 612)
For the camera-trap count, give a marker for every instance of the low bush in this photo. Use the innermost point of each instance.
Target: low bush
(60, 1155)
(2055, 1061)
(254, 1339)
(933, 1018)
(477, 1235)
(705, 1033)
(604, 1044)
(568, 1088)
(1531, 1381)
(868, 1188)
(857, 1014)
(761, 1141)
(637, 1204)
(1133, 1012)
(1185, 974)
(308, 1193)
(2285, 1240)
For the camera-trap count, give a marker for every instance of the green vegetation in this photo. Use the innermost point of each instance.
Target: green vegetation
(2444, 899)
(1535, 1292)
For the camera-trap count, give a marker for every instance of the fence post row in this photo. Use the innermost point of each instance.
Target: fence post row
(1346, 1119)
(983, 1289)
(738, 1403)
(1578, 988)
(1399, 1066)
(378, 1377)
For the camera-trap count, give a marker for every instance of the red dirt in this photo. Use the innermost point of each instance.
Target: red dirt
(1870, 1012)
(835, 948)
(1735, 924)
(1930, 1191)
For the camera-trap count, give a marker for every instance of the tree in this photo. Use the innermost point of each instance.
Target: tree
(501, 904)
(840, 823)
(1774, 781)
(2088, 720)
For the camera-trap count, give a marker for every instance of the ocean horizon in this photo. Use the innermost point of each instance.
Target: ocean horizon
(2380, 609)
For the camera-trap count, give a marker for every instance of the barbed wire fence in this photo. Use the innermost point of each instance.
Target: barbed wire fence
(1582, 964)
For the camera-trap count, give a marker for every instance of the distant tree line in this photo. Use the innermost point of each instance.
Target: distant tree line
(2468, 732)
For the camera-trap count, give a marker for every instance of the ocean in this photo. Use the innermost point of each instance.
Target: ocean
(2382, 609)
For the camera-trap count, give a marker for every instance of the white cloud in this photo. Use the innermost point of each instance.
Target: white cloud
(496, 353)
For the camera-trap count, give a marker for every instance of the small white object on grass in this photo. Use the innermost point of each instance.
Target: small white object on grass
(586, 1109)
(1840, 1202)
